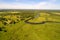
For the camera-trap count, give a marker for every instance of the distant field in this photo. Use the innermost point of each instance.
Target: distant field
(29, 25)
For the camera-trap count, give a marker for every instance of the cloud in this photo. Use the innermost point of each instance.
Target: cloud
(54, 0)
(47, 5)
(15, 6)
(41, 5)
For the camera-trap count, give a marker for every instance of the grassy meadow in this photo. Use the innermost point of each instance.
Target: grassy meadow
(29, 25)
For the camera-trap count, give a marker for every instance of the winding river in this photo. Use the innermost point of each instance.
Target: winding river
(27, 21)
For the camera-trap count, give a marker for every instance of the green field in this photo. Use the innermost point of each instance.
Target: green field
(29, 25)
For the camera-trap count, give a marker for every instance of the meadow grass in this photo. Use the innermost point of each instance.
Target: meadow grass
(25, 31)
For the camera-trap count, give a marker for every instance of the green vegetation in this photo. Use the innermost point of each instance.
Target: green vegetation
(29, 25)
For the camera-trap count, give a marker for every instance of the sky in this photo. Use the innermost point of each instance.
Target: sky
(30, 4)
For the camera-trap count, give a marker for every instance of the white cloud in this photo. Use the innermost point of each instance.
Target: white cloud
(47, 5)
(41, 5)
(53, 0)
